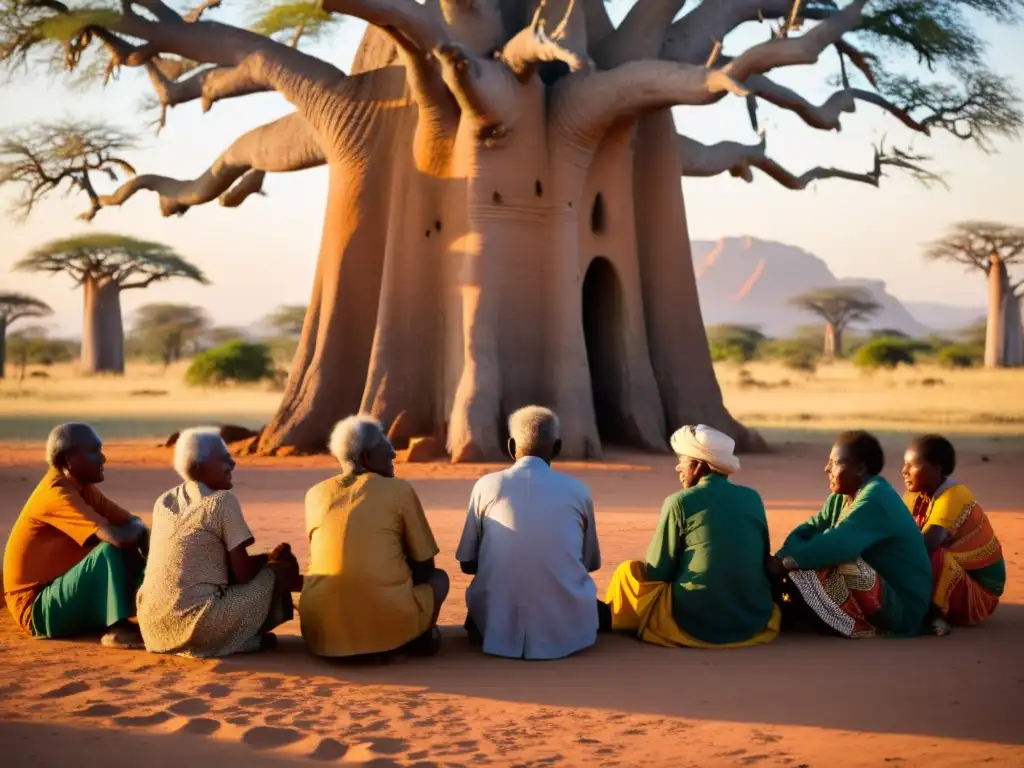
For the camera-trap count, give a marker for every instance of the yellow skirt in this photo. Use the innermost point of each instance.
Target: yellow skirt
(645, 607)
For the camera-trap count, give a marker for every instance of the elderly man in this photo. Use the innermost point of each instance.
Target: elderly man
(371, 587)
(530, 541)
(73, 562)
(704, 583)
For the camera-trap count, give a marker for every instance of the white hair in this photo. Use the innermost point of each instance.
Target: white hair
(352, 437)
(194, 446)
(63, 438)
(535, 430)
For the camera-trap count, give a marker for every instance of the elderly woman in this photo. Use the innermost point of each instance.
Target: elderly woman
(203, 594)
(859, 567)
(74, 558)
(371, 588)
(968, 569)
(704, 583)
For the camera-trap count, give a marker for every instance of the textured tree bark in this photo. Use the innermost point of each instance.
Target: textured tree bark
(102, 329)
(995, 328)
(1014, 339)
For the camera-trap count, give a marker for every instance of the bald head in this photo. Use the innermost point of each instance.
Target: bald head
(534, 431)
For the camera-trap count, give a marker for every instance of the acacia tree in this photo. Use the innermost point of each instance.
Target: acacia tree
(106, 265)
(504, 213)
(14, 307)
(838, 307)
(994, 249)
(165, 330)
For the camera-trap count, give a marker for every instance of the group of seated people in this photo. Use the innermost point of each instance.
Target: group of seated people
(870, 563)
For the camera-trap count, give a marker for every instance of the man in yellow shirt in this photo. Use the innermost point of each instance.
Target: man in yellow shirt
(73, 562)
(371, 587)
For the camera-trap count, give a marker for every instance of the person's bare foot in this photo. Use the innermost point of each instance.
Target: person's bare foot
(940, 627)
(124, 637)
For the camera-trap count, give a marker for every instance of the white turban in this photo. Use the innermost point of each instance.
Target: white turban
(706, 444)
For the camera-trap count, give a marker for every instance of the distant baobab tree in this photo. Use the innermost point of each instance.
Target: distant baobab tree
(14, 307)
(994, 249)
(105, 265)
(838, 307)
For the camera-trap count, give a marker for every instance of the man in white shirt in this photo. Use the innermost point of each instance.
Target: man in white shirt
(530, 541)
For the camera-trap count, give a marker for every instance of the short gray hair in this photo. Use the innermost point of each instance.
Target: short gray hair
(535, 429)
(194, 446)
(352, 437)
(63, 438)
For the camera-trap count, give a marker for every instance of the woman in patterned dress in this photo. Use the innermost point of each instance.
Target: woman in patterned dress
(968, 568)
(203, 594)
(858, 568)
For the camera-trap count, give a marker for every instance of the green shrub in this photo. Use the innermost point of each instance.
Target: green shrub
(960, 356)
(885, 353)
(234, 361)
(800, 354)
(734, 343)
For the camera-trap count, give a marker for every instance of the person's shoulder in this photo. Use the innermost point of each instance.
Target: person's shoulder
(52, 491)
(957, 496)
(573, 484)
(745, 495)
(322, 489)
(675, 501)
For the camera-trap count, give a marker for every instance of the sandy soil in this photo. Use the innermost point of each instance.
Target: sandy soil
(799, 702)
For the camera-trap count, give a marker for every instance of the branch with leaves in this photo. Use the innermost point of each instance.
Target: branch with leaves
(17, 306)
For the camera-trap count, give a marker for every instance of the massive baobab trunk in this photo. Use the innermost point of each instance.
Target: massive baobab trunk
(504, 221)
(503, 270)
(102, 329)
(833, 341)
(1002, 329)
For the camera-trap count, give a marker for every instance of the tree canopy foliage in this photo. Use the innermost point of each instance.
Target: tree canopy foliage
(838, 306)
(15, 306)
(127, 261)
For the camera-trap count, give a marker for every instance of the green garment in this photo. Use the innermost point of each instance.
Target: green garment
(711, 545)
(877, 528)
(90, 597)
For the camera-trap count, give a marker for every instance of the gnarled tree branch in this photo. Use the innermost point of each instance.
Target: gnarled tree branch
(586, 106)
(532, 45)
(287, 144)
(640, 35)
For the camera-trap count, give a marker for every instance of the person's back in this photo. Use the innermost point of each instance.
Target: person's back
(721, 593)
(532, 532)
(358, 595)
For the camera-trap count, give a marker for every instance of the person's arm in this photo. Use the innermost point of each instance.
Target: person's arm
(237, 538)
(863, 526)
(468, 551)
(591, 546)
(936, 537)
(132, 534)
(417, 538)
(667, 544)
(813, 526)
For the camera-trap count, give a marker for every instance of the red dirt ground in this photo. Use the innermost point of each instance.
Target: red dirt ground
(801, 701)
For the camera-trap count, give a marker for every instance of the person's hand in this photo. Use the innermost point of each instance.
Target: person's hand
(775, 566)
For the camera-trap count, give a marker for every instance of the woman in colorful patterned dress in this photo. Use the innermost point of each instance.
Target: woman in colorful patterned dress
(858, 568)
(968, 569)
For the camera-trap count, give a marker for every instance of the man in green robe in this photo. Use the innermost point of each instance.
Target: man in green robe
(704, 582)
(859, 566)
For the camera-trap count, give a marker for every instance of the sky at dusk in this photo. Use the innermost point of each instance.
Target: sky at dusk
(263, 254)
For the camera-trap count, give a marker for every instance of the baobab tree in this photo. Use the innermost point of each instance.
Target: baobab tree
(504, 220)
(993, 249)
(166, 331)
(839, 308)
(104, 266)
(14, 307)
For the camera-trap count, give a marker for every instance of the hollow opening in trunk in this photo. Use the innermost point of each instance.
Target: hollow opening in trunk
(606, 349)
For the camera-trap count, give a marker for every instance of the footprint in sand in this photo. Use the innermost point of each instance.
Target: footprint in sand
(116, 682)
(66, 690)
(214, 690)
(143, 721)
(329, 750)
(99, 710)
(270, 683)
(190, 707)
(265, 737)
(252, 701)
(201, 726)
(388, 746)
